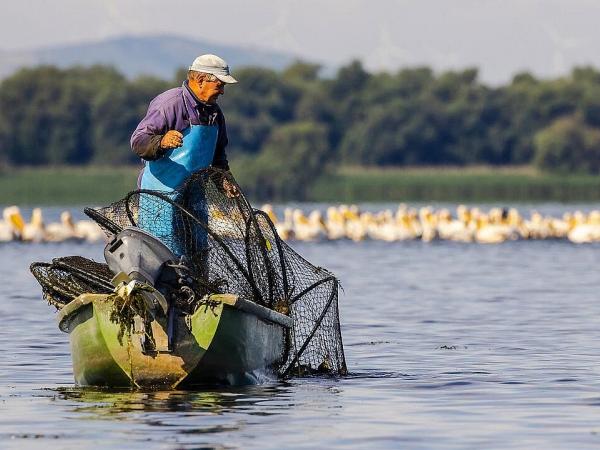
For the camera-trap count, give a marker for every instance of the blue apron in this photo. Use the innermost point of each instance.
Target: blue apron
(167, 174)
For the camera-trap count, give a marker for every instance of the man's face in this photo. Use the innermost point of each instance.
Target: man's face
(209, 91)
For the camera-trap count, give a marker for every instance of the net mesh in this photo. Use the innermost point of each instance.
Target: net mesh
(230, 248)
(68, 277)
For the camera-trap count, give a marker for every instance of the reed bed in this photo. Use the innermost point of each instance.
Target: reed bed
(100, 185)
(65, 185)
(454, 184)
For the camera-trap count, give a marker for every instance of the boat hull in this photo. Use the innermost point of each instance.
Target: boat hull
(224, 343)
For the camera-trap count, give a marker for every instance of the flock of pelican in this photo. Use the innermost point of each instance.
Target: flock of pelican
(349, 222)
(466, 225)
(13, 227)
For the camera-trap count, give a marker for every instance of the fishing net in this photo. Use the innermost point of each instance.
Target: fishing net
(66, 278)
(232, 248)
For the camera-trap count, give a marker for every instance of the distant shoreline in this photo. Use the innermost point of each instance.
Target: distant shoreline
(63, 185)
(95, 185)
(516, 184)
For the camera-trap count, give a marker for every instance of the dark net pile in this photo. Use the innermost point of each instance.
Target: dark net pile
(232, 248)
(66, 278)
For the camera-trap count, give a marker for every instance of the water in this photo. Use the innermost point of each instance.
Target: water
(449, 346)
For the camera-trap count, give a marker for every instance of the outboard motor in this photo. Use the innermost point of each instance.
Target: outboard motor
(143, 262)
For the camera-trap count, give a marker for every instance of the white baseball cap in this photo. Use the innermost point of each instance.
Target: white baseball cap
(214, 65)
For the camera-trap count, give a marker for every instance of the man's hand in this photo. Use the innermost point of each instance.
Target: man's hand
(231, 190)
(171, 139)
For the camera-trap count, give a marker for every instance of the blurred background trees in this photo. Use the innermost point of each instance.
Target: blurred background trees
(287, 128)
(568, 145)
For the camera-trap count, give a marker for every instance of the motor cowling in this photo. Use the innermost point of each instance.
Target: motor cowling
(138, 254)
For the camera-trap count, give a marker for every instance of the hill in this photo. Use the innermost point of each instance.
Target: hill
(158, 55)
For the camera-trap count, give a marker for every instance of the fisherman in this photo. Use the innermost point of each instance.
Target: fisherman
(184, 131)
(184, 128)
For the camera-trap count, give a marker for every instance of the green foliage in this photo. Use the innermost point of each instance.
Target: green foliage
(568, 145)
(88, 185)
(72, 116)
(454, 184)
(116, 110)
(441, 121)
(294, 156)
(44, 117)
(81, 116)
(302, 72)
(260, 103)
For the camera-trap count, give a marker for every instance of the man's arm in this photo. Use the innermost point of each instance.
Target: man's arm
(146, 139)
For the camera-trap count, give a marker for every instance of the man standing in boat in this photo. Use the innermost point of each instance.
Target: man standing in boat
(184, 128)
(183, 132)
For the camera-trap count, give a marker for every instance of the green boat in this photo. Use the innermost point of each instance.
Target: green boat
(227, 342)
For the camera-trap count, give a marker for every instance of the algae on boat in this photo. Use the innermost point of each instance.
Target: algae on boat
(221, 344)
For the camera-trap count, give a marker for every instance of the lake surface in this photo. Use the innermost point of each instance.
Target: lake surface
(449, 346)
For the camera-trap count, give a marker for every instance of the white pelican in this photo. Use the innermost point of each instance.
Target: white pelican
(428, 223)
(268, 209)
(89, 230)
(285, 229)
(62, 231)
(34, 231)
(308, 228)
(455, 229)
(489, 233)
(11, 228)
(586, 229)
(335, 224)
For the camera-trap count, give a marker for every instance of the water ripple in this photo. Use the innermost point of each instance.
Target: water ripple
(448, 346)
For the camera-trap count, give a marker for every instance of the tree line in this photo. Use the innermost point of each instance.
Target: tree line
(286, 127)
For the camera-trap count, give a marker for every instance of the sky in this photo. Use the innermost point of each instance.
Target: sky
(500, 37)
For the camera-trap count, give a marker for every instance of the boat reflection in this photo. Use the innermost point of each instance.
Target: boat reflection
(104, 403)
(211, 418)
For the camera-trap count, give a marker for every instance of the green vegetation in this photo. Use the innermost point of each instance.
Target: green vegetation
(269, 175)
(102, 185)
(287, 129)
(568, 145)
(87, 186)
(473, 184)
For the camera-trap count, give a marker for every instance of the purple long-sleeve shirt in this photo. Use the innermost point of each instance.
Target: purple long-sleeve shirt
(174, 110)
